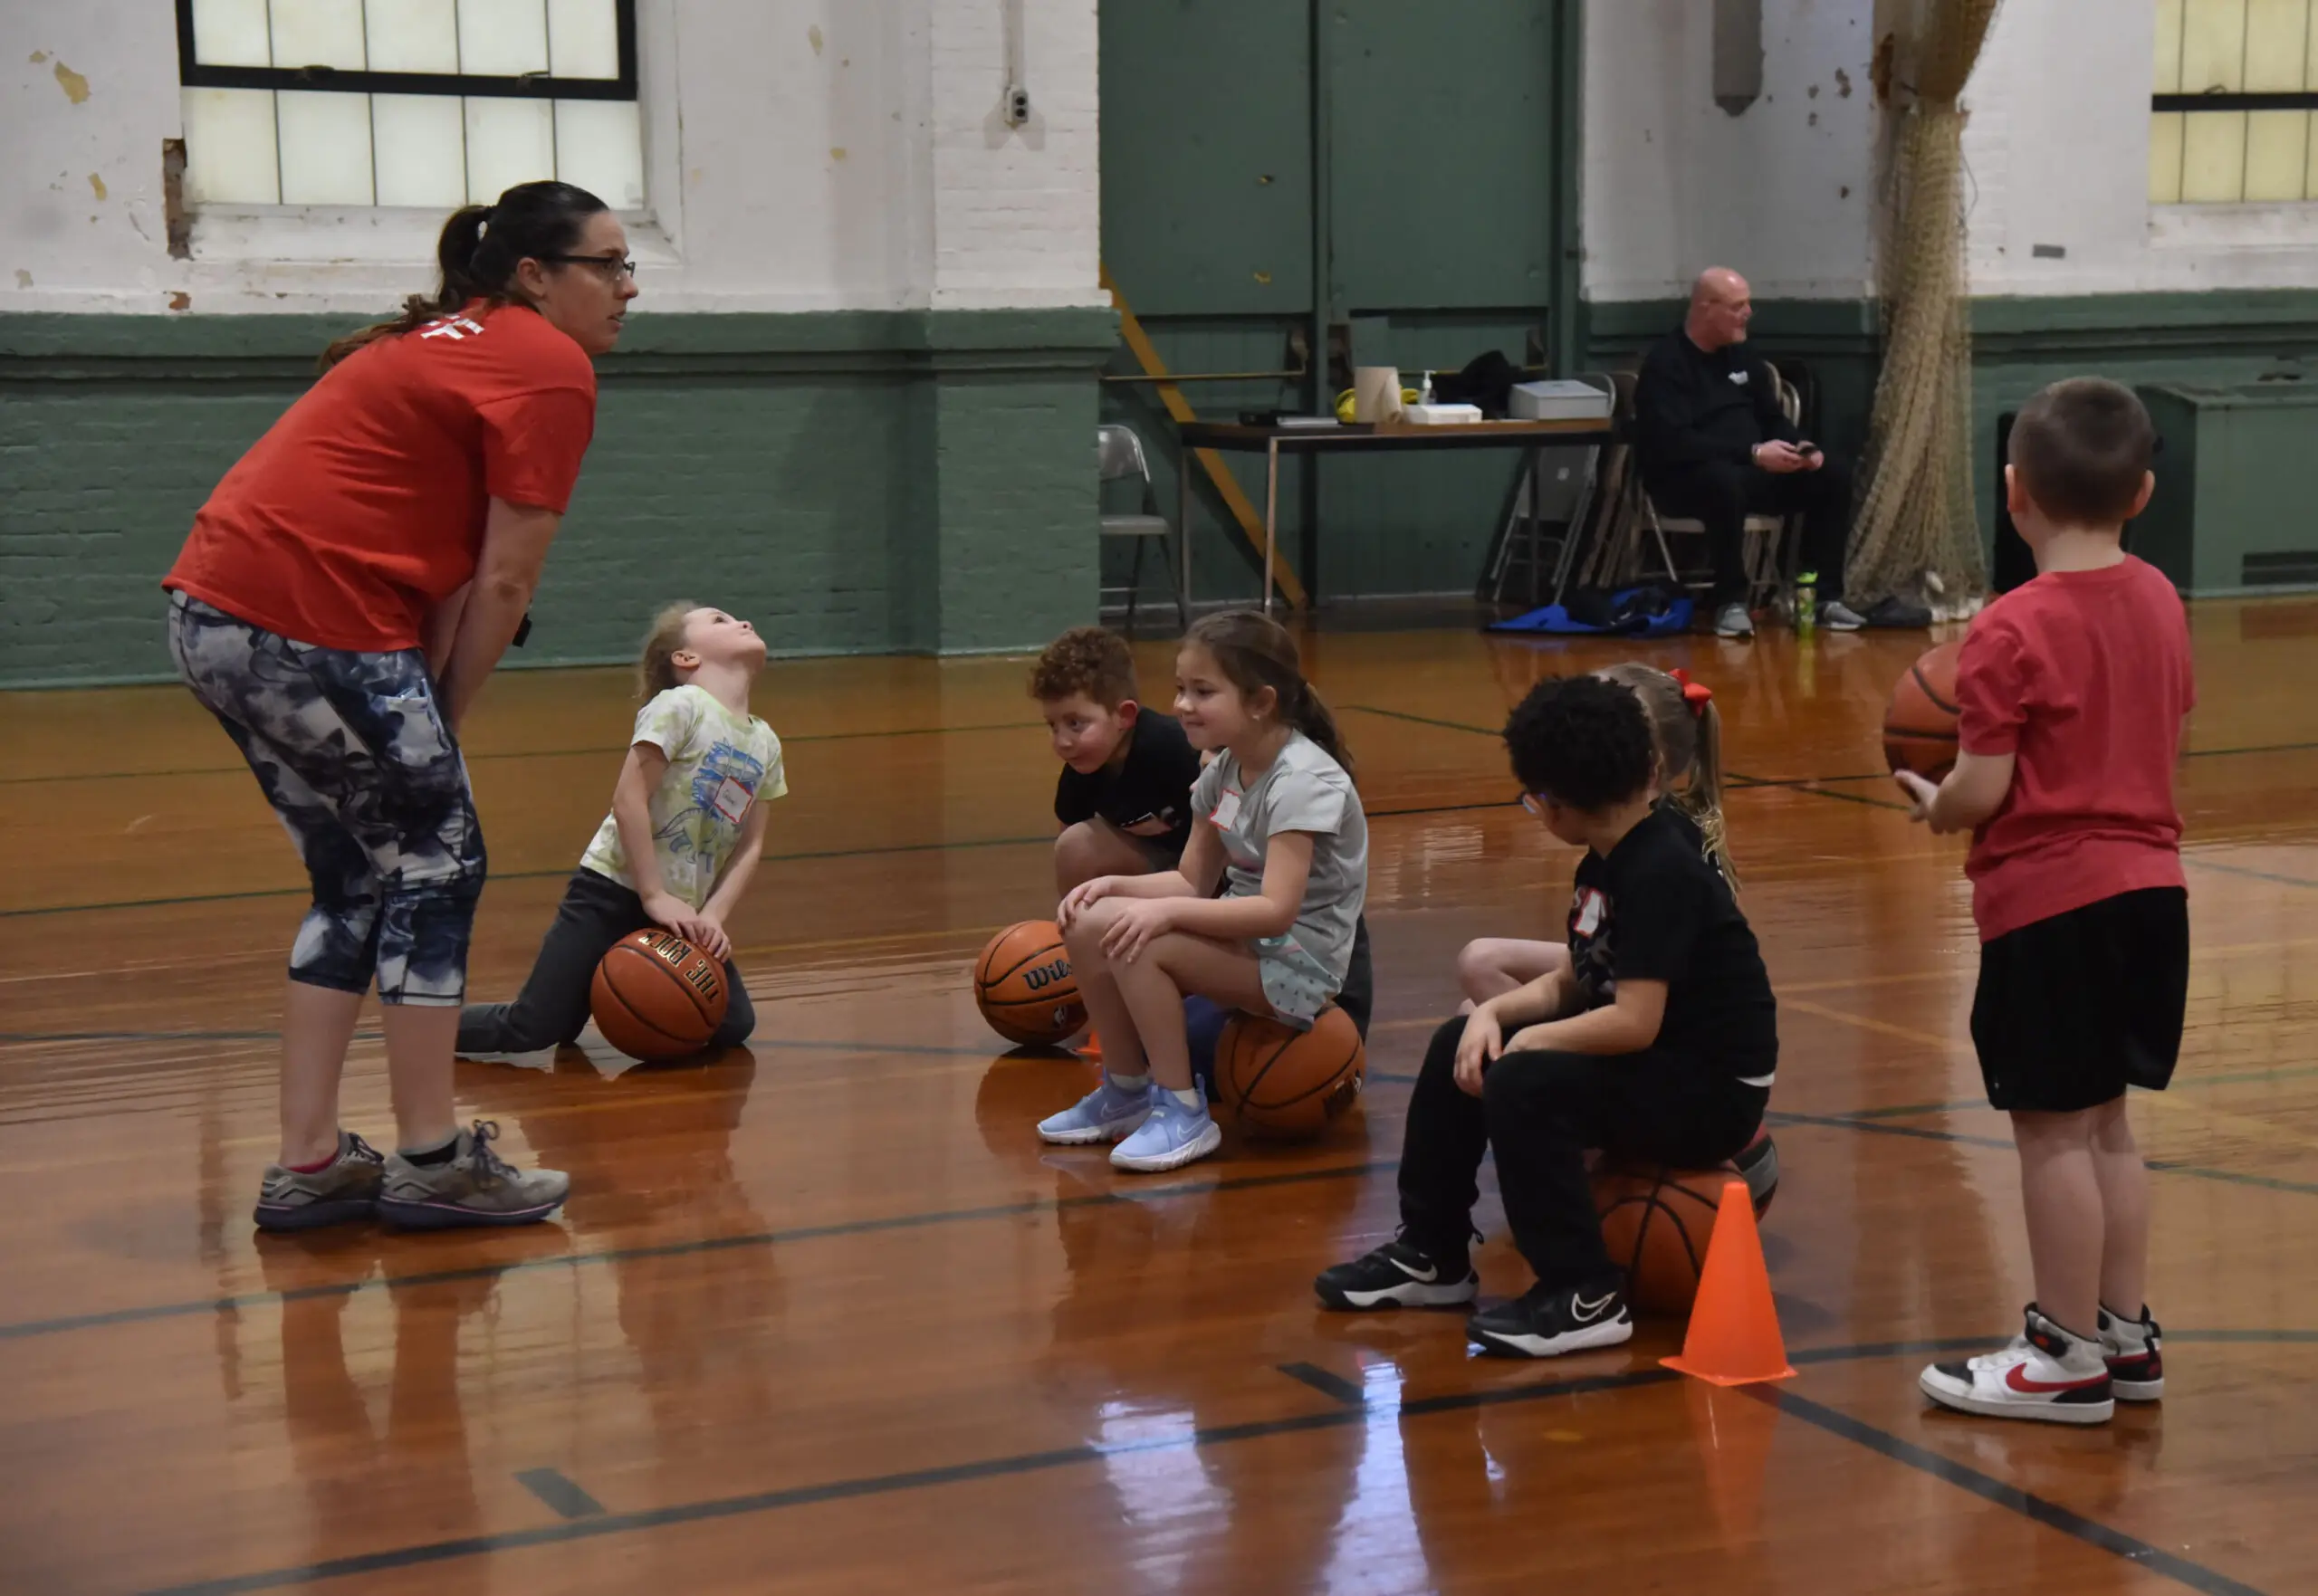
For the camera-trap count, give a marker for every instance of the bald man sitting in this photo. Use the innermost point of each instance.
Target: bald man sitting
(1716, 448)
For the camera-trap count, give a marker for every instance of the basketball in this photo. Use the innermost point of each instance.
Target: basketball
(1656, 1223)
(1023, 985)
(1287, 1083)
(1920, 721)
(657, 996)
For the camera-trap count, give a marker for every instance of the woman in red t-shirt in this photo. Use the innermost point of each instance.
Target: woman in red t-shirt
(344, 594)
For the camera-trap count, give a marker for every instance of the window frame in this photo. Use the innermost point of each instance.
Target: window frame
(326, 80)
(2233, 99)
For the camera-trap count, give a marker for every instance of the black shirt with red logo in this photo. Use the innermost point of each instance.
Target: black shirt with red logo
(1149, 795)
(1656, 909)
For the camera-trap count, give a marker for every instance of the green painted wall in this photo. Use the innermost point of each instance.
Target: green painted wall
(854, 482)
(2217, 339)
(1259, 179)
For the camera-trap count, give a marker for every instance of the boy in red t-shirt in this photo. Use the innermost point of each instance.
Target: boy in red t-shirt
(2072, 690)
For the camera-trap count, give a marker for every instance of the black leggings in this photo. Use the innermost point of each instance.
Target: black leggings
(1539, 1111)
(597, 912)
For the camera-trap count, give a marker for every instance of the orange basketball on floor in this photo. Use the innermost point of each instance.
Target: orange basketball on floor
(657, 996)
(1023, 984)
(1919, 723)
(1656, 1223)
(1287, 1083)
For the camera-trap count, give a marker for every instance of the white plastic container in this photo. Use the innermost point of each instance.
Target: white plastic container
(1558, 401)
(1441, 415)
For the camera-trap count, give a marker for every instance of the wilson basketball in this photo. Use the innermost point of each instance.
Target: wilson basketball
(1919, 723)
(1023, 985)
(657, 996)
(1287, 1083)
(1656, 1223)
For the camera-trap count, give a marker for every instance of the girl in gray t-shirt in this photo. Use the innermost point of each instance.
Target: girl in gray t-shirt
(1277, 824)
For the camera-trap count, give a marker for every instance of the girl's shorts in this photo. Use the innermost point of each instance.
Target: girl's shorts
(1297, 985)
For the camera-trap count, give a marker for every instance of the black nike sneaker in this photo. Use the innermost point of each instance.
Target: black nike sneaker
(1547, 1321)
(1758, 1165)
(1398, 1274)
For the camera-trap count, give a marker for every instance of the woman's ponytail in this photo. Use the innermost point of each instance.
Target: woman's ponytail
(477, 252)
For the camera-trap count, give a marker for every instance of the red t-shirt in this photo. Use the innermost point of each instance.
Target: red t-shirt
(2083, 677)
(362, 508)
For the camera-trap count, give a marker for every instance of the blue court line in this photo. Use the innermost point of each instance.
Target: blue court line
(2141, 1553)
(1339, 1415)
(1925, 1133)
(28, 1329)
(608, 751)
(24, 1330)
(561, 1494)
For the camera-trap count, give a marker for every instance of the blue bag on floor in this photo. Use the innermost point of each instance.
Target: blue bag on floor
(1653, 610)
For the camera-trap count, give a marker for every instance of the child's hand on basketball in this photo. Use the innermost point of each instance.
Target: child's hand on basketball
(714, 939)
(668, 909)
(1478, 1048)
(1137, 921)
(1920, 793)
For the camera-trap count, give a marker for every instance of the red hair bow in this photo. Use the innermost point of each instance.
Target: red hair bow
(1697, 695)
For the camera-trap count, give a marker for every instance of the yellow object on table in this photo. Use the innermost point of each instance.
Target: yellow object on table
(1344, 403)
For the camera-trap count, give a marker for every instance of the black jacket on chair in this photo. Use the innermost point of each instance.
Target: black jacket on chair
(1691, 408)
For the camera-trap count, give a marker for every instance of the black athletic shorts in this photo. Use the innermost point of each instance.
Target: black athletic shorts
(2073, 1009)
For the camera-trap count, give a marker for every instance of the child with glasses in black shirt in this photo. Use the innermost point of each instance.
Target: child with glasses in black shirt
(1656, 1042)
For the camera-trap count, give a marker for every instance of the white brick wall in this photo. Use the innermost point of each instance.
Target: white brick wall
(1017, 211)
(801, 154)
(2058, 153)
(1783, 192)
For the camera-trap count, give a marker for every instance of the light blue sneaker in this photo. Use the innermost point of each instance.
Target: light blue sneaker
(1105, 1115)
(1171, 1138)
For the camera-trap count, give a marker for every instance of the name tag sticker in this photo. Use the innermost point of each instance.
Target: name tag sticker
(1226, 812)
(732, 800)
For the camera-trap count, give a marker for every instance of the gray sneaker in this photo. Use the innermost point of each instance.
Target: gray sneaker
(1838, 617)
(476, 1187)
(1733, 621)
(342, 1191)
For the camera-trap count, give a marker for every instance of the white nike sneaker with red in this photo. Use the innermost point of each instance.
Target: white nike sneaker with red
(2135, 1349)
(2048, 1373)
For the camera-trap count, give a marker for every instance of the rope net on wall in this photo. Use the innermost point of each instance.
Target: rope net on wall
(1916, 525)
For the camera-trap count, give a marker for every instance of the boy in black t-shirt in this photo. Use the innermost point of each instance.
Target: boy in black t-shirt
(1124, 797)
(1658, 1043)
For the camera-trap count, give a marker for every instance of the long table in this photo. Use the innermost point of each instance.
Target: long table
(1357, 437)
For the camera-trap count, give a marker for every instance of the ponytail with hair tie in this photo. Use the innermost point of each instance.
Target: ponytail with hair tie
(478, 252)
(1696, 695)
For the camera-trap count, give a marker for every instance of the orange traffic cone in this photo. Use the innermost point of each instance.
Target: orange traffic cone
(1734, 1337)
(1091, 1047)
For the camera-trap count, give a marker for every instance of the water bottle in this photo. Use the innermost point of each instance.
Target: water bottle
(1807, 602)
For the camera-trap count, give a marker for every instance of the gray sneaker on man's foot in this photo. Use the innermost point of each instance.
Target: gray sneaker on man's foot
(1733, 621)
(475, 1187)
(1838, 617)
(344, 1189)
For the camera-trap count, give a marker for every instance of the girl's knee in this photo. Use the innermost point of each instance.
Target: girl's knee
(1477, 969)
(1088, 928)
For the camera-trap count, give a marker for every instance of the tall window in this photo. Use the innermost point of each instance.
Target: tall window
(434, 103)
(2237, 87)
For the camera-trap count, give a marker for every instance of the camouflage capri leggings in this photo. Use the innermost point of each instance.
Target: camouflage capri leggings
(357, 759)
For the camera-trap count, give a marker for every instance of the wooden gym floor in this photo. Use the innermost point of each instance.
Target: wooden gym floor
(824, 1315)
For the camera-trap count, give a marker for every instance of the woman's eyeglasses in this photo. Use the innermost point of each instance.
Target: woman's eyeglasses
(611, 266)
